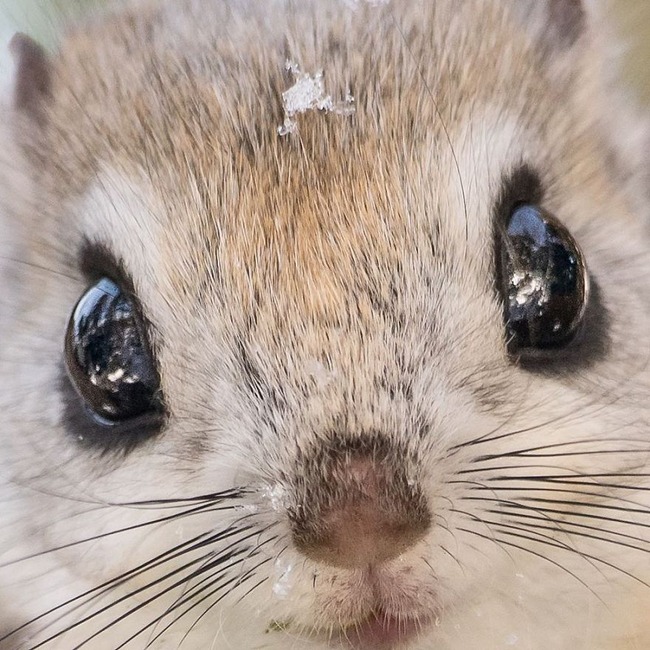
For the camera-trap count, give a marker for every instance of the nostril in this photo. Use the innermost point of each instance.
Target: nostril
(361, 512)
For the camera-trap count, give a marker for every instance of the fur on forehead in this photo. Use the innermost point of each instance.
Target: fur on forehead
(215, 171)
(179, 114)
(201, 76)
(212, 167)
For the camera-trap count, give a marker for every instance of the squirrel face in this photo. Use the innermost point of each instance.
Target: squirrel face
(356, 357)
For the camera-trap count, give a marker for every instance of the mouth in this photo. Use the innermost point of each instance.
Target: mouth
(375, 609)
(381, 631)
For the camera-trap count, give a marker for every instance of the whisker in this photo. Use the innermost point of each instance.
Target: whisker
(239, 581)
(207, 586)
(577, 513)
(205, 507)
(496, 488)
(40, 267)
(587, 535)
(190, 592)
(500, 541)
(583, 555)
(196, 543)
(109, 584)
(526, 452)
(218, 559)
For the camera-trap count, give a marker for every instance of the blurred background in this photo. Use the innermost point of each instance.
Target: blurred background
(633, 17)
(40, 18)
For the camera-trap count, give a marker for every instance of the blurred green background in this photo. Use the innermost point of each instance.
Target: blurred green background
(41, 18)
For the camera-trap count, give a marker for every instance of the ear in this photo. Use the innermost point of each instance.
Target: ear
(567, 20)
(556, 25)
(33, 79)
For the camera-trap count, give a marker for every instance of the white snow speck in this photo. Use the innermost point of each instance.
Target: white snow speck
(250, 508)
(277, 496)
(282, 586)
(308, 94)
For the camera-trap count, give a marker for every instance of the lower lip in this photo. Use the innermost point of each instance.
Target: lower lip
(382, 631)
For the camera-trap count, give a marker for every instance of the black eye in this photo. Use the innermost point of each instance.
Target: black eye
(108, 358)
(544, 281)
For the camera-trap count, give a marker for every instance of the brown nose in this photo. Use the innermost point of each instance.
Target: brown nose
(358, 509)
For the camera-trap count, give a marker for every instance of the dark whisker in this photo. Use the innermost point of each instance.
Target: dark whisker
(211, 582)
(587, 556)
(499, 541)
(514, 504)
(238, 581)
(113, 582)
(599, 538)
(526, 452)
(219, 559)
(192, 591)
(205, 507)
(196, 543)
(546, 490)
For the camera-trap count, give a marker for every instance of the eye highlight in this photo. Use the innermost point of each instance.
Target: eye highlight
(108, 358)
(543, 281)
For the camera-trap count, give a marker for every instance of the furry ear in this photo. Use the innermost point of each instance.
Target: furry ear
(568, 20)
(33, 78)
(556, 25)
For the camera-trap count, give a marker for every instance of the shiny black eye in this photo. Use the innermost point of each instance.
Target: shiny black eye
(108, 358)
(544, 281)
